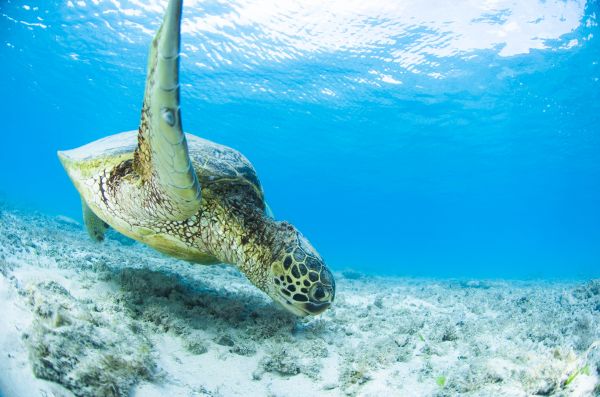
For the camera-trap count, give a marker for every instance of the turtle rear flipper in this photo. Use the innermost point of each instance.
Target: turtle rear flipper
(161, 157)
(95, 226)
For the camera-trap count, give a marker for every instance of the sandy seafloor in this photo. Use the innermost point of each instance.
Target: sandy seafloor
(118, 319)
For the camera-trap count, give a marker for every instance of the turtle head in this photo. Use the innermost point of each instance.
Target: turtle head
(299, 279)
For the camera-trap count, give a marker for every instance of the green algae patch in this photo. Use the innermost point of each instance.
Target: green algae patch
(440, 381)
(585, 370)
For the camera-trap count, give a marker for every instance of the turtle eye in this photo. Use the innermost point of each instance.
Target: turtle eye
(319, 293)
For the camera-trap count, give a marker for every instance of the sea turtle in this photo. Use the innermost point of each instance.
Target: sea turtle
(191, 198)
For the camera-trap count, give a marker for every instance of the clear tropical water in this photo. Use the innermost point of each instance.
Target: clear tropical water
(406, 137)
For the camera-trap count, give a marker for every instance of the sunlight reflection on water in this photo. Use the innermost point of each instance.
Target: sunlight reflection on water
(356, 44)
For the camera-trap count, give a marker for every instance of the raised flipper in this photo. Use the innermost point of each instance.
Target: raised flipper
(161, 157)
(95, 226)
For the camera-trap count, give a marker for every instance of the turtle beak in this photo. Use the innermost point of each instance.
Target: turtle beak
(315, 308)
(302, 309)
(290, 307)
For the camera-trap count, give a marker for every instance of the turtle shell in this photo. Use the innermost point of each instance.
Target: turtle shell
(214, 162)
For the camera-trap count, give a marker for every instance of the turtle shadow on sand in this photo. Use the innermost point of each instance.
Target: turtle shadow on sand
(167, 302)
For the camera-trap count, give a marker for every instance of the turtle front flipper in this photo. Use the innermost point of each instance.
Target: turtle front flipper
(95, 226)
(161, 157)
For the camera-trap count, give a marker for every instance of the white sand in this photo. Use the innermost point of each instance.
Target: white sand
(117, 319)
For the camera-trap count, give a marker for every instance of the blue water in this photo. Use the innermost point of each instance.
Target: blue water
(414, 138)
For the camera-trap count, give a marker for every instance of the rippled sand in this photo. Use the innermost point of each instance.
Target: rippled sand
(117, 319)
